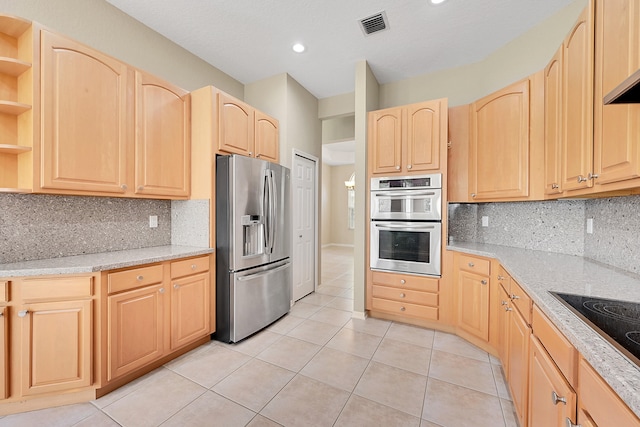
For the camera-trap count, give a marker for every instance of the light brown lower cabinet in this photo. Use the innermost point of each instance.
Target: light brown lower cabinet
(4, 365)
(189, 309)
(518, 373)
(552, 401)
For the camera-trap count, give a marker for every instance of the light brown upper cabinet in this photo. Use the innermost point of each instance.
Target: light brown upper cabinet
(577, 104)
(86, 123)
(616, 127)
(458, 154)
(406, 140)
(499, 150)
(244, 130)
(553, 124)
(162, 140)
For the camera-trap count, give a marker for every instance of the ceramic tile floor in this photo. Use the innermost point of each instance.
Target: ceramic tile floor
(314, 367)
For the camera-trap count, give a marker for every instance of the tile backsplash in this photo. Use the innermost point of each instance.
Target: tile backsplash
(47, 226)
(557, 226)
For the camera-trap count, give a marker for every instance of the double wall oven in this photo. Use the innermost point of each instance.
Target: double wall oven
(406, 224)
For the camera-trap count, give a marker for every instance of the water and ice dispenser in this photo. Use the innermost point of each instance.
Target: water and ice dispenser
(252, 235)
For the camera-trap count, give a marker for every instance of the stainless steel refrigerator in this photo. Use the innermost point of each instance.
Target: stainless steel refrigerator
(253, 266)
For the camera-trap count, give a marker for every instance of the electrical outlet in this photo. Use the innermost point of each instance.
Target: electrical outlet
(153, 221)
(589, 225)
(485, 221)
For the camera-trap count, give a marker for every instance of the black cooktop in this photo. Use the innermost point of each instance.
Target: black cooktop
(617, 321)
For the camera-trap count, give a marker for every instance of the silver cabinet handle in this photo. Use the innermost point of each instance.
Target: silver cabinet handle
(473, 195)
(402, 295)
(176, 286)
(22, 313)
(554, 186)
(124, 186)
(397, 168)
(471, 265)
(500, 277)
(402, 281)
(194, 266)
(140, 278)
(409, 166)
(251, 153)
(402, 309)
(557, 399)
(514, 297)
(258, 156)
(581, 179)
(503, 302)
(507, 308)
(484, 282)
(161, 290)
(569, 423)
(140, 187)
(592, 175)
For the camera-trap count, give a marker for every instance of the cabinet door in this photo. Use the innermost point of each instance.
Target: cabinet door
(385, 133)
(577, 114)
(4, 360)
(136, 329)
(235, 126)
(473, 304)
(423, 136)
(553, 124)
(551, 398)
(56, 343)
(458, 154)
(584, 420)
(267, 138)
(499, 155)
(85, 123)
(189, 309)
(162, 143)
(617, 127)
(519, 364)
(503, 325)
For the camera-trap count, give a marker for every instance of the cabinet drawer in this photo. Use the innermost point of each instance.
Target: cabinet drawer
(474, 265)
(600, 401)
(4, 291)
(404, 309)
(189, 266)
(56, 288)
(406, 295)
(405, 281)
(134, 278)
(521, 300)
(559, 348)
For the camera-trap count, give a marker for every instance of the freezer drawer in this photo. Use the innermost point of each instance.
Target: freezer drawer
(258, 297)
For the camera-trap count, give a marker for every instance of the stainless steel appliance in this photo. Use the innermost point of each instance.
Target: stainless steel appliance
(406, 228)
(253, 268)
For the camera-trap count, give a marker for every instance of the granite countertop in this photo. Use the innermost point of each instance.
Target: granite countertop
(100, 261)
(539, 272)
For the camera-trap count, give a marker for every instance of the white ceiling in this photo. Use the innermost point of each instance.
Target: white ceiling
(251, 39)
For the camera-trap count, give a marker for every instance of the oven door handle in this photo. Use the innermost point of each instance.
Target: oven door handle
(404, 227)
(406, 194)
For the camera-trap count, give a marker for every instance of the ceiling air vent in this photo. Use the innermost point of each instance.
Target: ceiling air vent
(374, 23)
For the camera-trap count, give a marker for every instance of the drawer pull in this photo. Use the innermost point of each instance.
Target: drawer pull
(507, 308)
(504, 302)
(194, 266)
(402, 281)
(402, 309)
(140, 278)
(471, 264)
(500, 277)
(514, 297)
(483, 281)
(161, 290)
(23, 313)
(176, 286)
(557, 399)
(402, 295)
(570, 423)
(397, 168)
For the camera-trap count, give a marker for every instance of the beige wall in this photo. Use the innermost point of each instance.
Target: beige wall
(340, 233)
(336, 105)
(325, 205)
(98, 24)
(338, 129)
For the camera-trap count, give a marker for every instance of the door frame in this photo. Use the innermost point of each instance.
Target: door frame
(316, 253)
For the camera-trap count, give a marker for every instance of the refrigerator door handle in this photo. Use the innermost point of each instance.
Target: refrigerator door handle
(274, 212)
(266, 209)
(262, 273)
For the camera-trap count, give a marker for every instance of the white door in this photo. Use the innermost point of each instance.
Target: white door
(303, 183)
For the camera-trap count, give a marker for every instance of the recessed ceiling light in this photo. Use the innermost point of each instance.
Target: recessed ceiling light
(298, 48)
(437, 1)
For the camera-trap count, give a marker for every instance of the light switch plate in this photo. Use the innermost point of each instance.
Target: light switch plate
(153, 221)
(589, 225)
(485, 221)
